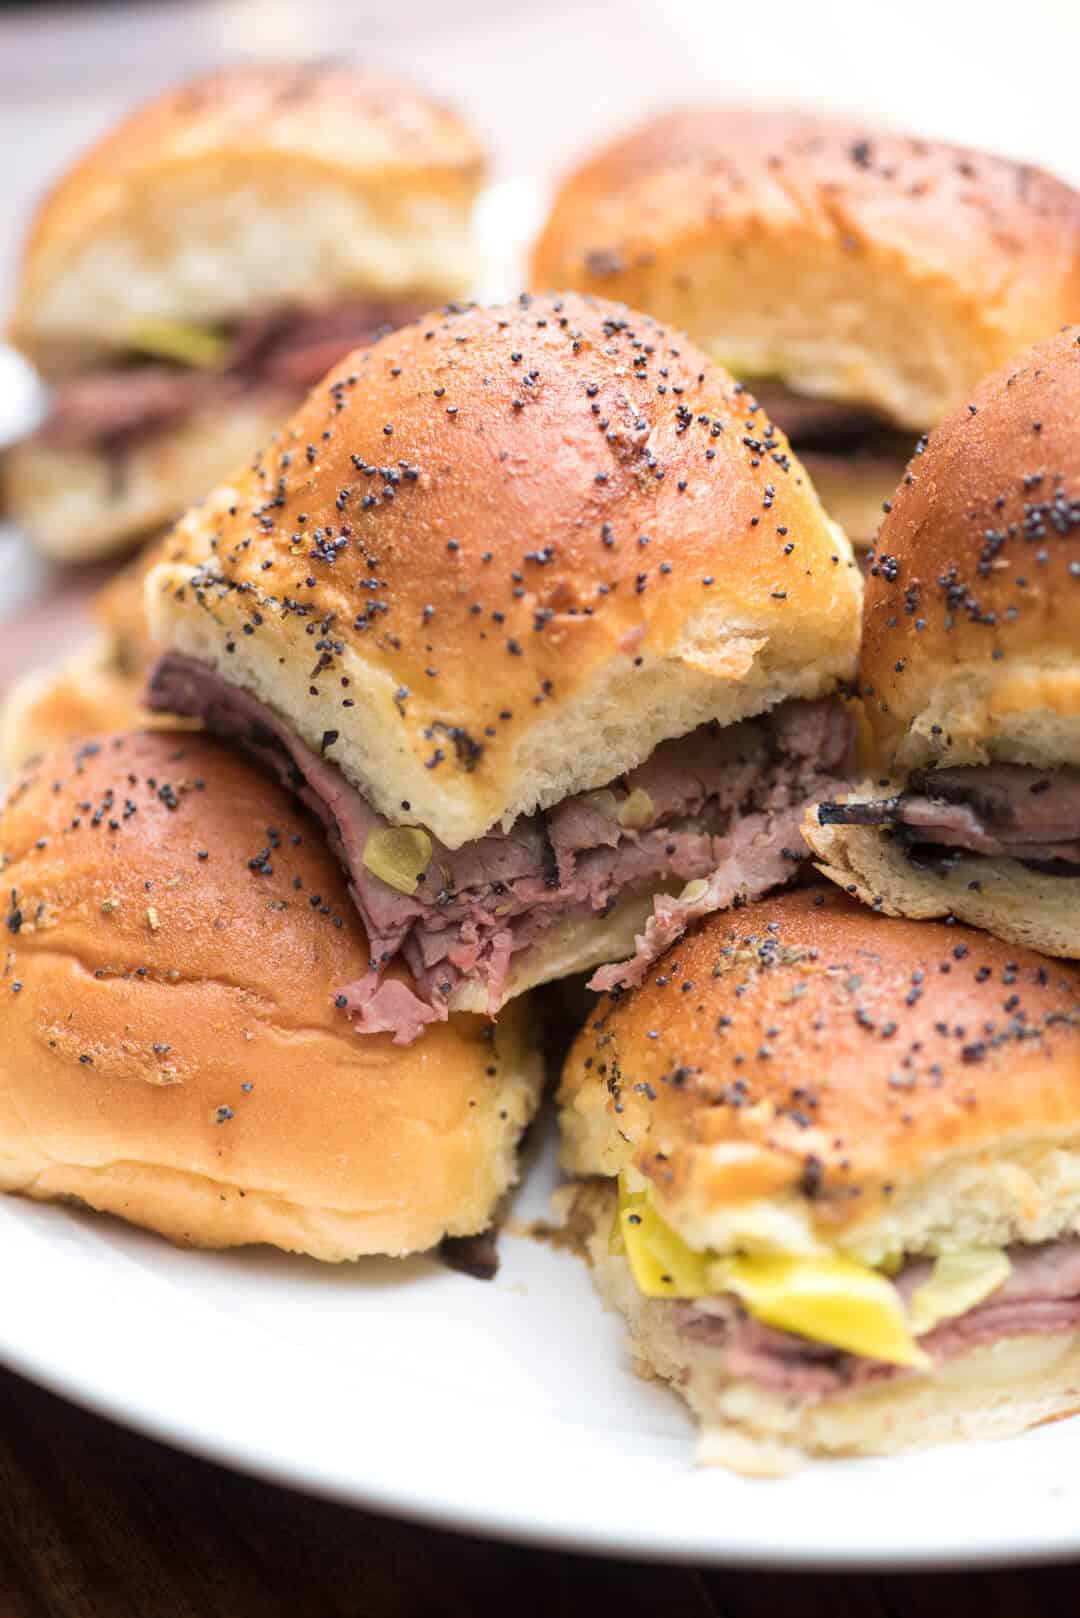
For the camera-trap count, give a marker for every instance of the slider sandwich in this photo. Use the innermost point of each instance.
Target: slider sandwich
(836, 1189)
(970, 671)
(860, 282)
(171, 1046)
(543, 619)
(200, 268)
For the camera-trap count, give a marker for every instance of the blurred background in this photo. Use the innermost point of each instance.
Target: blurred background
(542, 82)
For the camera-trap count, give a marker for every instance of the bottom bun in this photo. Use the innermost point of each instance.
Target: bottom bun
(1001, 896)
(449, 1134)
(994, 1391)
(80, 505)
(171, 1047)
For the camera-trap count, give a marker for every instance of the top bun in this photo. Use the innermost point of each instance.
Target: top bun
(804, 1074)
(809, 250)
(972, 623)
(256, 185)
(500, 555)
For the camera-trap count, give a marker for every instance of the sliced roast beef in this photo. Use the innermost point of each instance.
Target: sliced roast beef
(722, 805)
(839, 426)
(286, 350)
(1041, 1295)
(817, 423)
(113, 406)
(1005, 810)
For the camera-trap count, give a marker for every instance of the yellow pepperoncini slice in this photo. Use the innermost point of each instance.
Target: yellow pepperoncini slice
(398, 856)
(196, 346)
(835, 1300)
(662, 1264)
(957, 1283)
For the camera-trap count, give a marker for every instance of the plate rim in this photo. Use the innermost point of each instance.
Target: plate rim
(489, 1513)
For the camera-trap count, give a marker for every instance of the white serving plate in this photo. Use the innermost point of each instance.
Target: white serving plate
(505, 1408)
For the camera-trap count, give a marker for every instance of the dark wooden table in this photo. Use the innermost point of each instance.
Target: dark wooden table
(96, 1522)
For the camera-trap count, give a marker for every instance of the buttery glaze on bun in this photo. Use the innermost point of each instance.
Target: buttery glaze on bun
(806, 1079)
(170, 1046)
(971, 650)
(503, 553)
(909, 1108)
(801, 248)
(297, 182)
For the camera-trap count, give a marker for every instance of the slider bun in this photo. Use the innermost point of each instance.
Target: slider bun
(855, 1099)
(990, 1392)
(98, 687)
(276, 183)
(81, 505)
(85, 693)
(971, 649)
(471, 638)
(1009, 899)
(155, 985)
(797, 247)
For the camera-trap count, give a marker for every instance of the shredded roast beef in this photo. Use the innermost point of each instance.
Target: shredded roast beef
(1011, 810)
(1041, 1295)
(724, 805)
(844, 427)
(286, 350)
(817, 423)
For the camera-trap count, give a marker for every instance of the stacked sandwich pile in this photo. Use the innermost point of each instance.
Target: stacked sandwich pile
(525, 651)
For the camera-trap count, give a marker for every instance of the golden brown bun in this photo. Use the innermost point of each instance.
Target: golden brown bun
(145, 986)
(85, 693)
(971, 649)
(811, 250)
(79, 505)
(985, 1393)
(99, 686)
(259, 184)
(1008, 898)
(883, 1086)
(540, 539)
(118, 607)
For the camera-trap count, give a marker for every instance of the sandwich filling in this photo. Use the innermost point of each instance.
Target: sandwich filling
(710, 819)
(174, 371)
(1010, 811)
(810, 1328)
